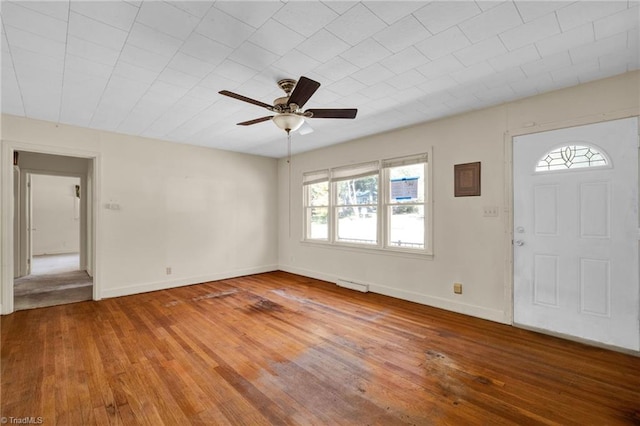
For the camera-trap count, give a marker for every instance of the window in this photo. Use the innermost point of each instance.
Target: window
(571, 157)
(316, 205)
(377, 205)
(405, 202)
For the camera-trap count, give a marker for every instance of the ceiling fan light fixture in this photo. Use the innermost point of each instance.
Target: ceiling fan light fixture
(288, 122)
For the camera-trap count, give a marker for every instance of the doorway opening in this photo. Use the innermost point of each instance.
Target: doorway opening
(52, 265)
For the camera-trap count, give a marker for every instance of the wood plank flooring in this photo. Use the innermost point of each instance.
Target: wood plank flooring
(279, 348)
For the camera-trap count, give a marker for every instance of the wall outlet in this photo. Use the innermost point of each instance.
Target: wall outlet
(490, 211)
(168, 270)
(457, 288)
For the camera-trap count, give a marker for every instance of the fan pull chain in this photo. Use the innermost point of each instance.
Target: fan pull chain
(289, 175)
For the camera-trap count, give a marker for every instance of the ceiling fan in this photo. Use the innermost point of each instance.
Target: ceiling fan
(288, 109)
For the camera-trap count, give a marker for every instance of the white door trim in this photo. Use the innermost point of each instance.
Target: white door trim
(7, 204)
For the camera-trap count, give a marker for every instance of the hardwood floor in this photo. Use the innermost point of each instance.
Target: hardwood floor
(279, 348)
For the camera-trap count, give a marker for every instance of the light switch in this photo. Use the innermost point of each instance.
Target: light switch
(490, 211)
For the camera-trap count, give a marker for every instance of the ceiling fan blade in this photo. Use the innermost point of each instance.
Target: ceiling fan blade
(245, 99)
(333, 113)
(305, 88)
(256, 121)
(305, 129)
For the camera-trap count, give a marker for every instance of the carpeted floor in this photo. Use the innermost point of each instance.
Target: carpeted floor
(37, 291)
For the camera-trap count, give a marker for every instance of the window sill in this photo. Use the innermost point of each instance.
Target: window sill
(412, 254)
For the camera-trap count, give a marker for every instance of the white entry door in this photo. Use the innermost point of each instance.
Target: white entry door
(576, 232)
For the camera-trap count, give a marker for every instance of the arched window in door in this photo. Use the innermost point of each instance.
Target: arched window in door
(572, 157)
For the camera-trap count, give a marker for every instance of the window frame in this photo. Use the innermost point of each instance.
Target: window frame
(383, 206)
(312, 178)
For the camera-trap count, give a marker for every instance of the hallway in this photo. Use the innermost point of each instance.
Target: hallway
(55, 280)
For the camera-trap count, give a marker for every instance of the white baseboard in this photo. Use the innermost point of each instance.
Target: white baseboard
(181, 282)
(437, 302)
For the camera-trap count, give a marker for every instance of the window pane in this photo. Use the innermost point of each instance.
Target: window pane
(407, 184)
(317, 227)
(318, 194)
(571, 156)
(357, 225)
(362, 190)
(406, 226)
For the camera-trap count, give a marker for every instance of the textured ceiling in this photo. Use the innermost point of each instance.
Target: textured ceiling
(154, 69)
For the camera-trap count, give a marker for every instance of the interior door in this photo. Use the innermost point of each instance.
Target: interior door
(576, 232)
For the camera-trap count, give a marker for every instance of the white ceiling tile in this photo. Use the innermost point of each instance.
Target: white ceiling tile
(366, 53)
(11, 96)
(373, 74)
(234, 71)
(134, 72)
(392, 11)
(378, 91)
(530, 10)
(356, 25)
(216, 83)
(582, 12)
(406, 80)
(490, 4)
(440, 15)
(205, 93)
(115, 13)
(254, 13)
(296, 63)
(153, 40)
(507, 76)
(438, 84)
(15, 15)
(473, 73)
(493, 21)
(143, 58)
(339, 7)
(35, 43)
(168, 91)
(167, 19)
(224, 28)
(574, 70)
(405, 60)
(96, 32)
(253, 56)
(439, 67)
(547, 64)
(323, 46)
(481, 51)
(56, 9)
(190, 65)
(625, 20)
(531, 32)
(91, 51)
(402, 34)
(305, 18)
(346, 86)
(567, 40)
(598, 48)
(205, 49)
(515, 58)
(444, 43)
(25, 61)
(78, 65)
(276, 38)
(495, 94)
(197, 8)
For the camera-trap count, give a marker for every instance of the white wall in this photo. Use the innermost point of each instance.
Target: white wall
(468, 247)
(56, 214)
(207, 214)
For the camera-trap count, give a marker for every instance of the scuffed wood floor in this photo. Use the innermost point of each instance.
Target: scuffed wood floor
(278, 348)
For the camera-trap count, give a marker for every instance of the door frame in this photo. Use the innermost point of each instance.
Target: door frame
(508, 142)
(27, 252)
(7, 204)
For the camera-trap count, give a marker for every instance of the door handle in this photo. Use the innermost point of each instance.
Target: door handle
(519, 243)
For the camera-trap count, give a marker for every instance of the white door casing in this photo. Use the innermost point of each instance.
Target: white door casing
(576, 235)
